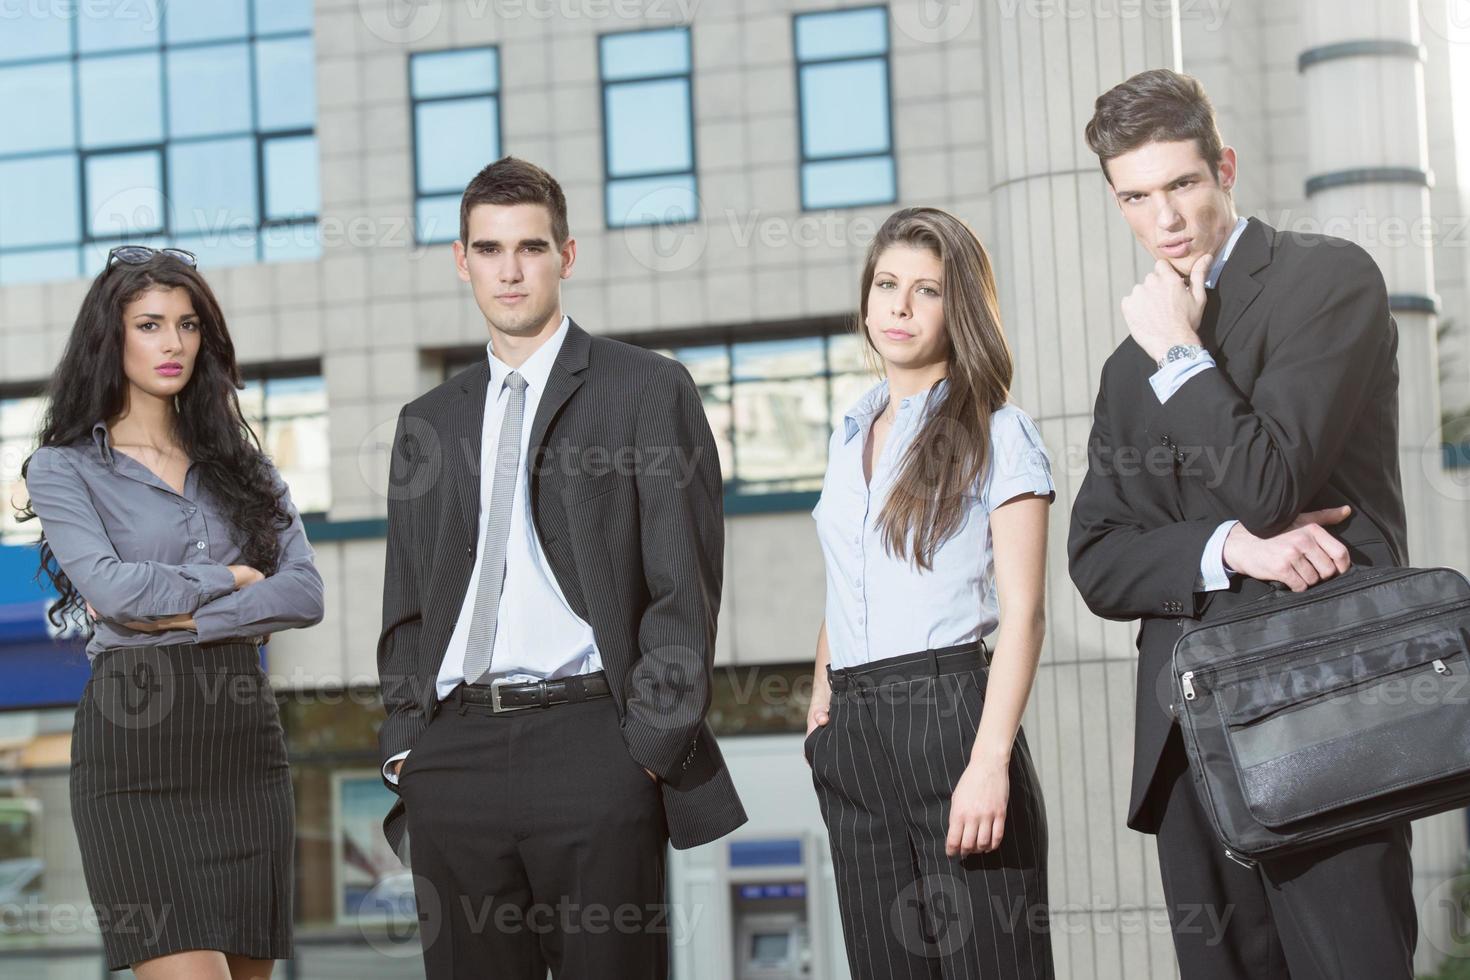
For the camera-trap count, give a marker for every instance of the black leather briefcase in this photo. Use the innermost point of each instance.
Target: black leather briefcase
(1313, 716)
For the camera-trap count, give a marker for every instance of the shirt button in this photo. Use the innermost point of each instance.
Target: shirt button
(199, 545)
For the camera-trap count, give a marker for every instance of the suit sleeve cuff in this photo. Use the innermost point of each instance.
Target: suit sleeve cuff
(1214, 574)
(388, 772)
(1169, 378)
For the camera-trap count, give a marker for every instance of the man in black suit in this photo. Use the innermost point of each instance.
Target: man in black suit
(1253, 405)
(555, 544)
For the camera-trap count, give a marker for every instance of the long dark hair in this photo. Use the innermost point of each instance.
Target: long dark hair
(89, 385)
(952, 447)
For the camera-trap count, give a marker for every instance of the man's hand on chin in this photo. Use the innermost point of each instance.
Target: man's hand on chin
(1165, 309)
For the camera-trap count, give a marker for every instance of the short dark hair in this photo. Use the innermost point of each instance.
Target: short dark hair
(512, 181)
(1155, 106)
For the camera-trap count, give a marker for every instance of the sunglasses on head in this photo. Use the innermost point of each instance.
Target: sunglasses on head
(139, 254)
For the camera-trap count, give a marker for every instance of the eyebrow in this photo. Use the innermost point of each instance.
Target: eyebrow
(1168, 183)
(885, 272)
(485, 243)
(160, 316)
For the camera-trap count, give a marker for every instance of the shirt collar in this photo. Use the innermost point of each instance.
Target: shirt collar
(1219, 264)
(873, 401)
(102, 439)
(536, 369)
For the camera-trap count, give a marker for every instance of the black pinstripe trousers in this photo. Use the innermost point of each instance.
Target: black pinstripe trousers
(885, 765)
(182, 803)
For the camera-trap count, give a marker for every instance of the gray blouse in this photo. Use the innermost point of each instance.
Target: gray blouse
(137, 550)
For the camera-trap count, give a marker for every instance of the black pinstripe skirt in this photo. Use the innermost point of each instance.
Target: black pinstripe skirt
(182, 802)
(885, 766)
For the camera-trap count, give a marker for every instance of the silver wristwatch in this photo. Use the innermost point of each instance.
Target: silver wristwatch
(1180, 352)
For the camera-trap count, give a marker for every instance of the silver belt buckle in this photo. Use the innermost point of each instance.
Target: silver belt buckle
(495, 706)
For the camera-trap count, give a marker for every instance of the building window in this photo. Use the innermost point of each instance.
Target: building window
(846, 111)
(190, 123)
(456, 132)
(20, 423)
(287, 408)
(648, 127)
(772, 405)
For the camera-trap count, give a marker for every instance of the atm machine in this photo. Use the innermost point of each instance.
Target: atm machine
(761, 902)
(767, 879)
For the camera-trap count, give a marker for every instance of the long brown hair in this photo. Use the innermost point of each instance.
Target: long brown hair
(90, 384)
(946, 459)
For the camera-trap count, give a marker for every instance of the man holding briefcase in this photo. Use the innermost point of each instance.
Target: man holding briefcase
(1253, 406)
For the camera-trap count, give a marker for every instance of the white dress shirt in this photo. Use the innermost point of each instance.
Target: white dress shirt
(1213, 572)
(537, 635)
(880, 606)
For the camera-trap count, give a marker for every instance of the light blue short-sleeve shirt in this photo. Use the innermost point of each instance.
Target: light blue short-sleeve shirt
(880, 606)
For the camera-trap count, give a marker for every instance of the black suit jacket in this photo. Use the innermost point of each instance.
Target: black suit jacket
(1300, 414)
(627, 499)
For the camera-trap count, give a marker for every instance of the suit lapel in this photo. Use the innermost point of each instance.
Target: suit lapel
(1238, 287)
(464, 429)
(565, 379)
(463, 443)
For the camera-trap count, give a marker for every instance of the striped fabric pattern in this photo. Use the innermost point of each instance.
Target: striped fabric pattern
(884, 767)
(182, 802)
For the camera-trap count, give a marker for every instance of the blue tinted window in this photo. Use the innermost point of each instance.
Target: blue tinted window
(211, 94)
(843, 87)
(299, 242)
(121, 100)
(39, 201)
(471, 71)
(285, 83)
(292, 188)
(36, 111)
(124, 194)
(844, 108)
(212, 185)
(641, 54)
(39, 33)
(847, 183)
(436, 219)
(217, 250)
(648, 128)
(278, 16)
(455, 139)
(456, 124)
(651, 201)
(206, 20)
(113, 25)
(38, 265)
(842, 34)
(107, 101)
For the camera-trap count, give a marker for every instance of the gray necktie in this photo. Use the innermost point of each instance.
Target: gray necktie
(497, 533)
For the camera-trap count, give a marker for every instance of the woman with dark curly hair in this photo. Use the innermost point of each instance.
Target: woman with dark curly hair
(169, 535)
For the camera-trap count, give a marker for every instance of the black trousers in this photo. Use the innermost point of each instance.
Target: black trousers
(885, 766)
(1344, 911)
(535, 841)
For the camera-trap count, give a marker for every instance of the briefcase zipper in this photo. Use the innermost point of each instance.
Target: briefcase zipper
(1393, 624)
(1187, 679)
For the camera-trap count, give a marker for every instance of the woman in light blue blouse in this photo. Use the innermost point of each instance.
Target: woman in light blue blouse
(932, 521)
(171, 538)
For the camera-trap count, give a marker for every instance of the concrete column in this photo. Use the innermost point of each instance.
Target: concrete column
(1064, 258)
(1362, 71)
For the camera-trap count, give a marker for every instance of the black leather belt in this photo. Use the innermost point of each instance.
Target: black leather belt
(501, 696)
